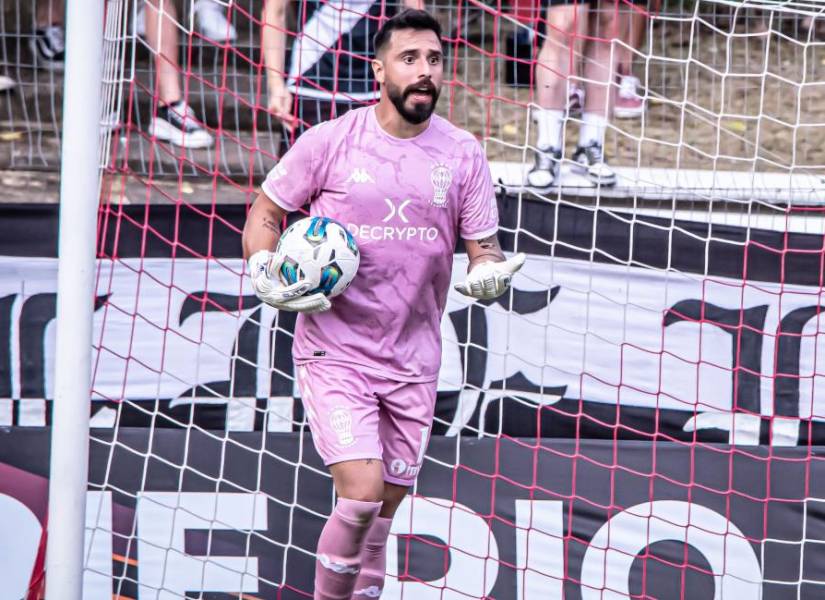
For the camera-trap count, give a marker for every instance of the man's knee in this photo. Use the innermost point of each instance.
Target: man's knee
(564, 21)
(362, 492)
(361, 480)
(393, 497)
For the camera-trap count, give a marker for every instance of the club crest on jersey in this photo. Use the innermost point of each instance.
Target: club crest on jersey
(441, 177)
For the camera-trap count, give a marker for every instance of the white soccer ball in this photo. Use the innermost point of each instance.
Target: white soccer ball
(320, 250)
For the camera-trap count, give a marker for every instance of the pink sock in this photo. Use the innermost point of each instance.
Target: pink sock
(370, 582)
(339, 548)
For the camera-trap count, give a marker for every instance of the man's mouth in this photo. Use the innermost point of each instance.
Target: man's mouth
(421, 94)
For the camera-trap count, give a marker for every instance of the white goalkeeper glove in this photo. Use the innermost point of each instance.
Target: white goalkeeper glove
(283, 297)
(491, 279)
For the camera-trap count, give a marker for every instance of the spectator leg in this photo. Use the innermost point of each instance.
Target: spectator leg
(557, 61)
(162, 36)
(598, 72)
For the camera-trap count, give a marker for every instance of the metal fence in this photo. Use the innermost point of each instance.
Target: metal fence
(728, 86)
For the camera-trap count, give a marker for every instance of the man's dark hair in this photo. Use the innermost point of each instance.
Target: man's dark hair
(409, 18)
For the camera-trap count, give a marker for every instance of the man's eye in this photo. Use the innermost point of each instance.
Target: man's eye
(434, 60)
(409, 59)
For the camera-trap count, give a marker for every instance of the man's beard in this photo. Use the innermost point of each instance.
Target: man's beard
(420, 112)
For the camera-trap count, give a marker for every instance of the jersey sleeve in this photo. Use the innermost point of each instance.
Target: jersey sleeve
(479, 210)
(298, 176)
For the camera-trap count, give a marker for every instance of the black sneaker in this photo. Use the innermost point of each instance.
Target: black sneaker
(545, 171)
(48, 47)
(591, 162)
(177, 124)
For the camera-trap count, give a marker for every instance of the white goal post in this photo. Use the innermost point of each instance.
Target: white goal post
(79, 193)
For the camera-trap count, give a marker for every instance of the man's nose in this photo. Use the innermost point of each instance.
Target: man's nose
(425, 69)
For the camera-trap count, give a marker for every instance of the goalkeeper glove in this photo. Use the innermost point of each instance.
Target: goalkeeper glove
(491, 279)
(283, 297)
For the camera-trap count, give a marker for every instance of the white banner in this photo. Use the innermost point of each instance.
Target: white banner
(602, 333)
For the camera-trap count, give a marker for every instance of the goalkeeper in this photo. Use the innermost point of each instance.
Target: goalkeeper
(367, 365)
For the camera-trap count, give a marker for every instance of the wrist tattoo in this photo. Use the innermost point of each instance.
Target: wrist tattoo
(488, 243)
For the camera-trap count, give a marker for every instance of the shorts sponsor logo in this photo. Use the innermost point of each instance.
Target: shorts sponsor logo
(340, 419)
(400, 468)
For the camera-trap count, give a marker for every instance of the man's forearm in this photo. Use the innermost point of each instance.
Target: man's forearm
(263, 227)
(484, 250)
(273, 38)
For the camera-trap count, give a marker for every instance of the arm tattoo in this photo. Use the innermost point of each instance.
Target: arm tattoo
(488, 249)
(488, 243)
(271, 225)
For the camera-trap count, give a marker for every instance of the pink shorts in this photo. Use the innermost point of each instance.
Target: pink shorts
(355, 415)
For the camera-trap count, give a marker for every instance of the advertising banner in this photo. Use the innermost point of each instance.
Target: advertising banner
(176, 513)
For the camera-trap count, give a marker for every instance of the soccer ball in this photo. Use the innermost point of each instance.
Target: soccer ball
(320, 250)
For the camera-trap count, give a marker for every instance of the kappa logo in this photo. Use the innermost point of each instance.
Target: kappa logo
(277, 172)
(359, 175)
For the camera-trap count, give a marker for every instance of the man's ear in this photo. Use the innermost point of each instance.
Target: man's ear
(378, 69)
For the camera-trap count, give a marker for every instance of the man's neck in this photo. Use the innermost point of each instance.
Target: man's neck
(394, 124)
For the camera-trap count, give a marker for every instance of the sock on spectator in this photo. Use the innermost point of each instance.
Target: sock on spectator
(592, 130)
(370, 582)
(549, 123)
(339, 548)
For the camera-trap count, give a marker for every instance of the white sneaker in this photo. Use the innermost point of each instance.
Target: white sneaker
(212, 21)
(545, 171)
(7, 83)
(178, 125)
(592, 163)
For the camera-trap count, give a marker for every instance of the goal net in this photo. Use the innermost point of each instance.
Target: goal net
(642, 416)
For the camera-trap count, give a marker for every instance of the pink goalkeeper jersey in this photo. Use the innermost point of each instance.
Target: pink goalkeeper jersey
(406, 201)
